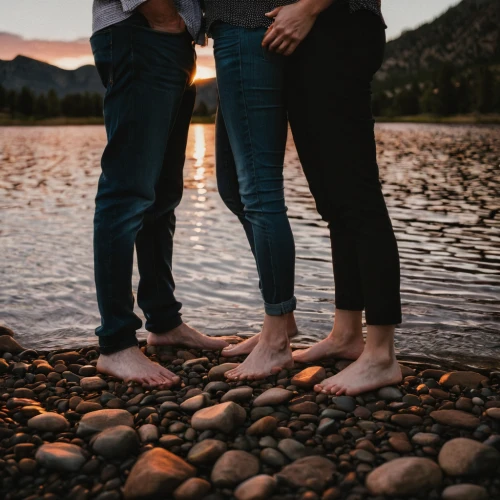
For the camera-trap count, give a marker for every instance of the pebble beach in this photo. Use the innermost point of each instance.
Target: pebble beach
(68, 432)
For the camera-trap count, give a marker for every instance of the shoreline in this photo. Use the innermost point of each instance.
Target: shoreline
(68, 432)
(475, 119)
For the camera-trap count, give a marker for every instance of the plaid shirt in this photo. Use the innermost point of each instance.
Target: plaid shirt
(108, 12)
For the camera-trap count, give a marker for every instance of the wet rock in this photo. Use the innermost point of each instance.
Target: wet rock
(238, 395)
(309, 377)
(156, 474)
(404, 477)
(426, 439)
(256, 488)
(48, 422)
(263, 427)
(389, 393)
(465, 492)
(406, 420)
(98, 421)
(344, 403)
(206, 452)
(292, 449)
(317, 471)
(87, 407)
(469, 380)
(466, 457)
(4, 366)
(305, 407)
(455, 418)
(194, 488)
(193, 404)
(116, 442)
(272, 457)
(273, 397)
(148, 433)
(233, 468)
(8, 344)
(218, 372)
(493, 413)
(223, 417)
(91, 384)
(60, 456)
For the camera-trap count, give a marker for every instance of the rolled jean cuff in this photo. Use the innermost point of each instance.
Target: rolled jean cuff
(280, 309)
(120, 341)
(164, 326)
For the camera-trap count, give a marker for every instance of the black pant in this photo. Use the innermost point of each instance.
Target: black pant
(329, 102)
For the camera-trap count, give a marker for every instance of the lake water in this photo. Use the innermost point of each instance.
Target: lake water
(442, 185)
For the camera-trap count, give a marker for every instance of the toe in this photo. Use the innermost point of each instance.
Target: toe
(318, 388)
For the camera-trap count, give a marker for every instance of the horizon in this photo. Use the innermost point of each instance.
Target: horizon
(65, 44)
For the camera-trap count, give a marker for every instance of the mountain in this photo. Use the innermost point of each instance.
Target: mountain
(465, 36)
(42, 77)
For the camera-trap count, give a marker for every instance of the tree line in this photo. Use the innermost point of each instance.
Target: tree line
(447, 92)
(26, 104)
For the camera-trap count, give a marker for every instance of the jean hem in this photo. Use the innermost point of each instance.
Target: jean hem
(383, 320)
(280, 309)
(108, 345)
(165, 327)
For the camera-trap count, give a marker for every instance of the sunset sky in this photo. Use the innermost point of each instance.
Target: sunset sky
(57, 31)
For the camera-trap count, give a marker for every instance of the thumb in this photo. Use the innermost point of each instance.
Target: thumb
(274, 12)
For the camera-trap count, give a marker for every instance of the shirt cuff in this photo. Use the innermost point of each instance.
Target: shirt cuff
(130, 5)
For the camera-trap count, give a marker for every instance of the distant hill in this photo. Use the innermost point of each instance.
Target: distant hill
(465, 36)
(41, 77)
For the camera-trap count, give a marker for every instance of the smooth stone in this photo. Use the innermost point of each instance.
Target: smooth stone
(426, 439)
(170, 440)
(389, 393)
(406, 420)
(167, 406)
(262, 427)
(4, 366)
(217, 373)
(194, 488)
(344, 403)
(234, 467)
(466, 457)
(206, 452)
(256, 488)
(292, 449)
(238, 395)
(87, 371)
(60, 456)
(156, 474)
(465, 492)
(49, 422)
(223, 417)
(87, 407)
(8, 344)
(469, 380)
(217, 386)
(316, 470)
(493, 413)
(116, 442)
(309, 377)
(455, 418)
(91, 384)
(148, 433)
(273, 457)
(98, 421)
(308, 407)
(195, 361)
(68, 357)
(404, 477)
(193, 404)
(275, 396)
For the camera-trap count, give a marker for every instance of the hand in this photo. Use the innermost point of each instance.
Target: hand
(292, 24)
(162, 16)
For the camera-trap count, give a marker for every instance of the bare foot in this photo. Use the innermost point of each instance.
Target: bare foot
(186, 336)
(334, 346)
(131, 365)
(246, 347)
(368, 373)
(263, 361)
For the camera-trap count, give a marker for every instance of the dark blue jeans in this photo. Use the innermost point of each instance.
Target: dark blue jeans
(251, 141)
(147, 109)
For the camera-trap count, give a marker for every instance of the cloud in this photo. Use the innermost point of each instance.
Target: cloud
(72, 55)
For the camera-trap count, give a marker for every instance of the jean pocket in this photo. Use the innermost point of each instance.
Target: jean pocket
(102, 49)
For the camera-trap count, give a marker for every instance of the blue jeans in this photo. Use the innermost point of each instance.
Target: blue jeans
(251, 140)
(147, 110)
